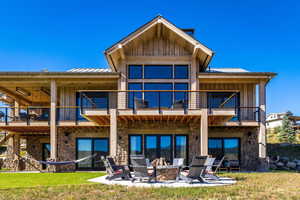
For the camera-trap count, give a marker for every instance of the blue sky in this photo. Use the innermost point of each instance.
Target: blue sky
(58, 35)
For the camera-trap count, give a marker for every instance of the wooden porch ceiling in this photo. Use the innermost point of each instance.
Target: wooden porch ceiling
(25, 129)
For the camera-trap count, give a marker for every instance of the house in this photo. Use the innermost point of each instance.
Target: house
(158, 98)
(274, 120)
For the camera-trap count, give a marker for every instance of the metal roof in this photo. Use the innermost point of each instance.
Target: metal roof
(84, 70)
(224, 70)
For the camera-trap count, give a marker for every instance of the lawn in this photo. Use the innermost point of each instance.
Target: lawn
(275, 185)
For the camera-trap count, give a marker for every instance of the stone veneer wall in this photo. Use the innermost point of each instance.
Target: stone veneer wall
(147, 127)
(248, 140)
(66, 138)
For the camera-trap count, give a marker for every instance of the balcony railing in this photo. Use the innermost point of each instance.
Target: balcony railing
(24, 114)
(166, 100)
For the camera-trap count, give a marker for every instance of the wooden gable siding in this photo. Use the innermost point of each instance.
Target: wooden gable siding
(247, 96)
(157, 47)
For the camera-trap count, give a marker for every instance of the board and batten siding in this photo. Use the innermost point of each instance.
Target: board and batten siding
(156, 47)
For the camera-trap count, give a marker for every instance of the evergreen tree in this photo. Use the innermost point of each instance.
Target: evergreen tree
(287, 132)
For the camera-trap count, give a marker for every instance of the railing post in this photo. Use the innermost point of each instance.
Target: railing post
(76, 116)
(6, 120)
(185, 103)
(107, 103)
(159, 111)
(49, 116)
(81, 109)
(28, 116)
(133, 103)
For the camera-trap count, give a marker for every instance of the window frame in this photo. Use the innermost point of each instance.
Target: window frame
(224, 138)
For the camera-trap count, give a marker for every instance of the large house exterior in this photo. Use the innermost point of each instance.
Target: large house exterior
(158, 98)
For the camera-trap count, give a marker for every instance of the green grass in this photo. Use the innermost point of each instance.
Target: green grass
(19, 180)
(265, 186)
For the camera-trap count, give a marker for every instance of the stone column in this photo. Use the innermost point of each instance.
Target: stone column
(14, 152)
(113, 136)
(53, 128)
(204, 133)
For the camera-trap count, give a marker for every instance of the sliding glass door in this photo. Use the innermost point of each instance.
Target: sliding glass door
(159, 146)
(228, 147)
(91, 146)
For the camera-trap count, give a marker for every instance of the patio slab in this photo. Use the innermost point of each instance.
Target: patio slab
(210, 183)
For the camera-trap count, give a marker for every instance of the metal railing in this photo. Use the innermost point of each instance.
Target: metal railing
(24, 114)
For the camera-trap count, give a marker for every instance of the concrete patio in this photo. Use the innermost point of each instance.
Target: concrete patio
(172, 183)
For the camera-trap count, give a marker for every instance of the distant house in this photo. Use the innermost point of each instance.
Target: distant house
(275, 120)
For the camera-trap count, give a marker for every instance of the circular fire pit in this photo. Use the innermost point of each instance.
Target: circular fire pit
(164, 173)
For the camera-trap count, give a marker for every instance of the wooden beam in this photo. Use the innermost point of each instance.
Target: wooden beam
(53, 128)
(204, 133)
(15, 96)
(262, 148)
(159, 30)
(121, 50)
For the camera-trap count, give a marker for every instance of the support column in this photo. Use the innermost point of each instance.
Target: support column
(262, 127)
(113, 137)
(204, 133)
(194, 85)
(53, 128)
(16, 110)
(13, 152)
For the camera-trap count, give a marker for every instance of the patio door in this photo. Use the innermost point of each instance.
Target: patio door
(88, 147)
(157, 146)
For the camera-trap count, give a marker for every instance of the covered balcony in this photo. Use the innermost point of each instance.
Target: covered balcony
(166, 105)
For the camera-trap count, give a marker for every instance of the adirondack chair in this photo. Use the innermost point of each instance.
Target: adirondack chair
(115, 171)
(196, 170)
(210, 173)
(217, 164)
(140, 171)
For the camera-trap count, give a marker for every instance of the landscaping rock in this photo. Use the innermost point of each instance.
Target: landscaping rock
(291, 165)
(285, 160)
(273, 166)
(280, 164)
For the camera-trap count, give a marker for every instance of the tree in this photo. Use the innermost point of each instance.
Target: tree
(287, 132)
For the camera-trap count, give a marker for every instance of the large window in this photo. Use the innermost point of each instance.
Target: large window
(91, 146)
(165, 99)
(157, 146)
(96, 100)
(135, 72)
(181, 72)
(223, 99)
(228, 147)
(158, 71)
(154, 99)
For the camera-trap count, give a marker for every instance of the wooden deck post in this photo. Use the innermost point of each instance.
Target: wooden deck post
(113, 137)
(194, 85)
(262, 127)
(53, 128)
(204, 133)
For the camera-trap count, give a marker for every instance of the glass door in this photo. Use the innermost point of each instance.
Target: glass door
(157, 146)
(88, 147)
(151, 149)
(181, 147)
(101, 148)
